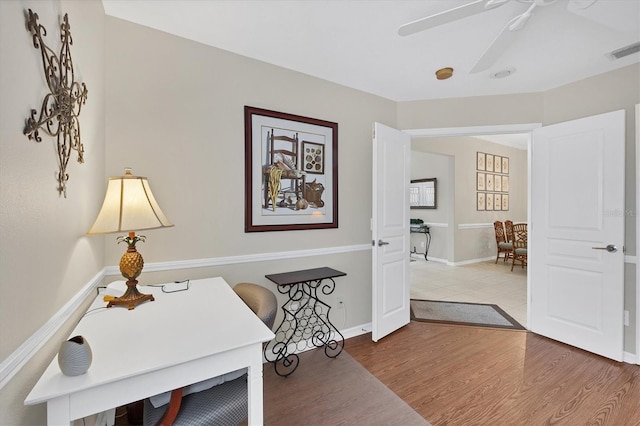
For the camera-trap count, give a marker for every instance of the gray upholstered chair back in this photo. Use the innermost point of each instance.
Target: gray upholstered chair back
(260, 300)
(227, 403)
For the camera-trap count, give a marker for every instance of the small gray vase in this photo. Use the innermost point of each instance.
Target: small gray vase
(74, 357)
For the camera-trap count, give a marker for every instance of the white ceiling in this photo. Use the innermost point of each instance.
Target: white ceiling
(356, 43)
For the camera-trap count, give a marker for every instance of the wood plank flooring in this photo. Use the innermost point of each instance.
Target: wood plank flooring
(456, 375)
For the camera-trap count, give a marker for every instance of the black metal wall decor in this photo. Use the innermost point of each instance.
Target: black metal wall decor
(58, 116)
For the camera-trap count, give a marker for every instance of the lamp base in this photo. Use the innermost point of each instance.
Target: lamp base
(132, 297)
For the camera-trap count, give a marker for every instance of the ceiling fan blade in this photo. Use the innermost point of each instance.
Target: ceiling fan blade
(502, 41)
(445, 17)
(496, 48)
(581, 4)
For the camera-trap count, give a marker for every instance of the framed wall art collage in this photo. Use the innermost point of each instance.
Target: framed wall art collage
(492, 182)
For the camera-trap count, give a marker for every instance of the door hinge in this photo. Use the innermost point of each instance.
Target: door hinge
(373, 243)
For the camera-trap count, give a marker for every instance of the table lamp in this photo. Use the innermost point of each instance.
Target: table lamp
(129, 206)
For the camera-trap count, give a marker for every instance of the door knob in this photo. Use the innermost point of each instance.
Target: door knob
(610, 248)
(382, 243)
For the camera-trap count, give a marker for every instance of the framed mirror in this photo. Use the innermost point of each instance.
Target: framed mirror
(423, 193)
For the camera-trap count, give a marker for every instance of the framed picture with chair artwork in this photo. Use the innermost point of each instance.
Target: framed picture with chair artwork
(291, 172)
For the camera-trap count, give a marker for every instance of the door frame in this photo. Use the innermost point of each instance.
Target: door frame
(637, 126)
(527, 128)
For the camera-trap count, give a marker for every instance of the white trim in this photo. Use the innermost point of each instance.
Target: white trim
(106, 418)
(356, 331)
(437, 225)
(468, 262)
(299, 347)
(637, 213)
(472, 131)
(14, 362)
(627, 259)
(475, 225)
(630, 358)
(438, 260)
(481, 225)
(247, 258)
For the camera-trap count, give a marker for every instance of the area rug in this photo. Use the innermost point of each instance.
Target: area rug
(339, 391)
(476, 314)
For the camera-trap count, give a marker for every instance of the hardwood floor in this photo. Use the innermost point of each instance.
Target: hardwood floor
(455, 375)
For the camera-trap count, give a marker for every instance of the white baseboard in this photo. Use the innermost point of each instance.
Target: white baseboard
(630, 358)
(308, 345)
(356, 331)
(468, 262)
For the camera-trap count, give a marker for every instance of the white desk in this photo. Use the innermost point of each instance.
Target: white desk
(179, 339)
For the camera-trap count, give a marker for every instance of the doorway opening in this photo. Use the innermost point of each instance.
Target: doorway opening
(461, 265)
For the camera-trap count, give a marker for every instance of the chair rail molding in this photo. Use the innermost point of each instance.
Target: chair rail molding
(14, 362)
(437, 224)
(245, 258)
(475, 225)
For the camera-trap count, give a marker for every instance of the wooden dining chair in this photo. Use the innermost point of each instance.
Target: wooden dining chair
(519, 244)
(502, 244)
(223, 404)
(508, 230)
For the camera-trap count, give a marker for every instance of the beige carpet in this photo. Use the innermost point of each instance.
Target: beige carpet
(325, 391)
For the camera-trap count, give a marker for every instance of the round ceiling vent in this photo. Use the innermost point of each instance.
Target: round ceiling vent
(503, 73)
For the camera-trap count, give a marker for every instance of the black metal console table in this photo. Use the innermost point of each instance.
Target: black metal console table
(422, 229)
(306, 321)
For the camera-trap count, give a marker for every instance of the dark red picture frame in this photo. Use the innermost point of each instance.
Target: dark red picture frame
(300, 208)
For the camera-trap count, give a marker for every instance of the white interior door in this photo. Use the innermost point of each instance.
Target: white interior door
(577, 211)
(390, 230)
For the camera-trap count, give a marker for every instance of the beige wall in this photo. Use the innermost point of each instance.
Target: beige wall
(477, 243)
(428, 165)
(476, 111)
(175, 115)
(45, 258)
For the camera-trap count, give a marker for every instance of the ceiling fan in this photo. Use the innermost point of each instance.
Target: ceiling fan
(506, 36)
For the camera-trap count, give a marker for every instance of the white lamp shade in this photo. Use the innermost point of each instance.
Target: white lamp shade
(128, 206)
